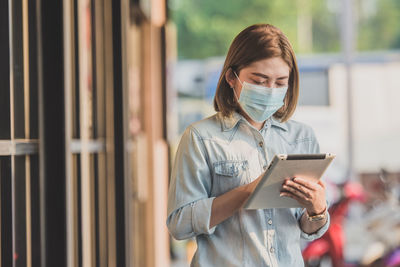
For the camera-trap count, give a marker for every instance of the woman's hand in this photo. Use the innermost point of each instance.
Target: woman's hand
(311, 195)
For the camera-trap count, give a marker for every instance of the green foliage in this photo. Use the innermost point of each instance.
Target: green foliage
(379, 25)
(206, 28)
(326, 27)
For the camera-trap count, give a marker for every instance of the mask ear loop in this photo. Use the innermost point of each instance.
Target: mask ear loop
(234, 92)
(234, 72)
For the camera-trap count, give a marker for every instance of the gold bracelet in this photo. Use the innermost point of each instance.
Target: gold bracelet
(317, 217)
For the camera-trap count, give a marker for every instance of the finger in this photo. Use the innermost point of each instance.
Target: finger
(296, 190)
(321, 183)
(307, 192)
(306, 183)
(289, 194)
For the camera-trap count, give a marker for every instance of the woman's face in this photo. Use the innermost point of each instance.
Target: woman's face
(272, 72)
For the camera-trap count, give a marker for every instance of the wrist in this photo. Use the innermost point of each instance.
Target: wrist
(313, 212)
(313, 217)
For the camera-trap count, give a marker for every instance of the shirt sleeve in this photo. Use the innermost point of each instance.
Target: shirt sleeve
(189, 201)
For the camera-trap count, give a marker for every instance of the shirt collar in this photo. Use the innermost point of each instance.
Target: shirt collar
(275, 122)
(228, 123)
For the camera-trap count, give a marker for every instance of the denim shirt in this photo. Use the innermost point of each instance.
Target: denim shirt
(218, 154)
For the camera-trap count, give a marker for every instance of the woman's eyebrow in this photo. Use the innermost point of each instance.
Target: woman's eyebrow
(267, 77)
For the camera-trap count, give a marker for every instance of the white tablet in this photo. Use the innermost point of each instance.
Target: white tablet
(307, 166)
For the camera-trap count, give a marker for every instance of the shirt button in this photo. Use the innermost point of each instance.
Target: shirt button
(270, 222)
(261, 143)
(272, 250)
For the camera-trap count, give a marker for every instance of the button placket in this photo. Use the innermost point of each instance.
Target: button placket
(271, 243)
(270, 234)
(261, 147)
(267, 133)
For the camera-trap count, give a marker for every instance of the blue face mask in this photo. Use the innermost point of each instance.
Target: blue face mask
(260, 102)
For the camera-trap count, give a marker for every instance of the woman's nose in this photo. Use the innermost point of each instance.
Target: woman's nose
(270, 84)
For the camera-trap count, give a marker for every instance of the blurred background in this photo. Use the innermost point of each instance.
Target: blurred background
(349, 62)
(94, 96)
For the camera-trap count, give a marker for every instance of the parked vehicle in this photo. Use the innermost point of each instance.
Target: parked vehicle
(372, 239)
(331, 244)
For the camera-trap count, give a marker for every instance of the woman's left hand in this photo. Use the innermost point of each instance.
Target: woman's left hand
(311, 195)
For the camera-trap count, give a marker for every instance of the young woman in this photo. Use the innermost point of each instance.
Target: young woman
(221, 159)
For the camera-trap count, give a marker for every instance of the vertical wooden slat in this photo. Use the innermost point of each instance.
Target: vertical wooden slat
(28, 212)
(94, 173)
(75, 92)
(140, 176)
(95, 126)
(33, 74)
(99, 54)
(102, 211)
(5, 121)
(17, 70)
(78, 176)
(126, 182)
(11, 75)
(6, 212)
(160, 187)
(69, 82)
(1, 229)
(136, 186)
(84, 21)
(119, 150)
(41, 158)
(51, 133)
(18, 174)
(26, 106)
(109, 117)
(25, 34)
(148, 128)
(100, 109)
(158, 13)
(157, 247)
(35, 210)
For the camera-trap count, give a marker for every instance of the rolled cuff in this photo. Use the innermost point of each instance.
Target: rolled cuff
(201, 214)
(319, 233)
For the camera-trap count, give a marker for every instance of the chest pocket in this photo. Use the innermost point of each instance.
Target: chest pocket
(231, 174)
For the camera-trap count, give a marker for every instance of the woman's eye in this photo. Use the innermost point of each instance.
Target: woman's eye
(258, 82)
(281, 85)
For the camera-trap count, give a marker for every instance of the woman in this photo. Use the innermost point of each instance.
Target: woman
(221, 159)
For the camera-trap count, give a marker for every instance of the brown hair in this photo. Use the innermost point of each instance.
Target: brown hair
(257, 42)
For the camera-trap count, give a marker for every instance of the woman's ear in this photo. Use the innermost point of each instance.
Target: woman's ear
(230, 78)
